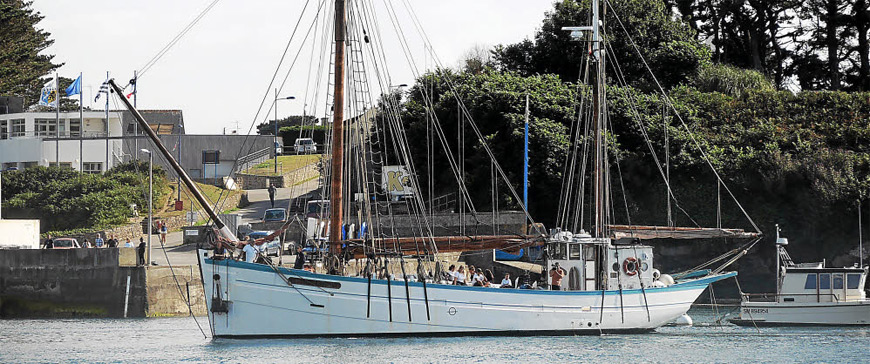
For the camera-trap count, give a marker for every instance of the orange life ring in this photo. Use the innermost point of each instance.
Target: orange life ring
(633, 268)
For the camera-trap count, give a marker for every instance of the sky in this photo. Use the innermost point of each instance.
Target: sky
(219, 73)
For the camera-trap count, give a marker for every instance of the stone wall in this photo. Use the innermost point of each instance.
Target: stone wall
(166, 297)
(253, 181)
(68, 283)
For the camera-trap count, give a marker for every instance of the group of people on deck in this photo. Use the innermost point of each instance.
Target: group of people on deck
(475, 277)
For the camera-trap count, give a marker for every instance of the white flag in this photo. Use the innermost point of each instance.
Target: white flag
(48, 96)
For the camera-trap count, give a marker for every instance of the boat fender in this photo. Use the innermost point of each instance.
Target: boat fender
(666, 279)
(684, 320)
(630, 266)
(656, 274)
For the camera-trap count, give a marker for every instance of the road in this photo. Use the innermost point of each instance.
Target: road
(176, 253)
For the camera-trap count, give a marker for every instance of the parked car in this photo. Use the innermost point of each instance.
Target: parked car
(317, 209)
(65, 243)
(272, 248)
(305, 145)
(275, 215)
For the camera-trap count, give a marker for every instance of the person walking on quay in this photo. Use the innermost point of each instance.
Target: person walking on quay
(49, 243)
(163, 231)
(86, 244)
(98, 242)
(112, 243)
(141, 251)
(128, 244)
(272, 191)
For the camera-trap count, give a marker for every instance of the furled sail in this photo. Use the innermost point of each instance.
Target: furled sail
(670, 232)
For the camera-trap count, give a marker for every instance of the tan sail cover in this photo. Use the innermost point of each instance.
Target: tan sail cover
(669, 232)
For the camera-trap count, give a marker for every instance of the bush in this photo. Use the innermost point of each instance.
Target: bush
(66, 199)
(731, 80)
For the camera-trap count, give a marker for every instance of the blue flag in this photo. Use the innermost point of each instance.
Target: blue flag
(75, 88)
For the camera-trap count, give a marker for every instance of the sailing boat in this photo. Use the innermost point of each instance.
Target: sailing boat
(620, 292)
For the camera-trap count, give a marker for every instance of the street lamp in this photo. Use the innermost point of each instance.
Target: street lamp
(150, 197)
(275, 106)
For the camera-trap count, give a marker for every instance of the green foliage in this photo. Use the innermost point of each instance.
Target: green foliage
(66, 199)
(668, 45)
(730, 80)
(268, 128)
(22, 60)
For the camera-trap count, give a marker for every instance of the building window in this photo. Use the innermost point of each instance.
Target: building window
(45, 127)
(75, 128)
(825, 281)
(17, 127)
(61, 128)
(92, 167)
(62, 164)
(30, 164)
(4, 132)
(852, 281)
(811, 282)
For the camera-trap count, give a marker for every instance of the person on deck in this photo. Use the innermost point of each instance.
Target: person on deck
(272, 191)
(248, 249)
(141, 251)
(300, 258)
(506, 282)
(556, 274)
(451, 274)
(460, 277)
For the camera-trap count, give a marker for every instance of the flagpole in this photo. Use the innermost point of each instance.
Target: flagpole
(81, 124)
(106, 167)
(135, 125)
(56, 121)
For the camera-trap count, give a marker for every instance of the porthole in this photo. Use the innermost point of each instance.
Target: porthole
(644, 266)
(616, 267)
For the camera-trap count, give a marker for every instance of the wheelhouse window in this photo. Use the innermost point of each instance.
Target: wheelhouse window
(852, 280)
(825, 281)
(811, 282)
(838, 281)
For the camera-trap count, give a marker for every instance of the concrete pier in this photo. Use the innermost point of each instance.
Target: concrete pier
(92, 283)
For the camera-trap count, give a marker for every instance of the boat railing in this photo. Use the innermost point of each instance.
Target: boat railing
(774, 297)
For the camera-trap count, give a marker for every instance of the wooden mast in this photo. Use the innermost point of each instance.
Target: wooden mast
(337, 171)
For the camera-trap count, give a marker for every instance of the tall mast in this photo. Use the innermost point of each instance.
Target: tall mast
(599, 188)
(335, 198)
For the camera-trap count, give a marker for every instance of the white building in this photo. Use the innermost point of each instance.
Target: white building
(36, 138)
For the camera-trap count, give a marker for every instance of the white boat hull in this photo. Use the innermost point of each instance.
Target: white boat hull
(804, 313)
(260, 303)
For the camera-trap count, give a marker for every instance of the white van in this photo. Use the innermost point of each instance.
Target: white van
(305, 145)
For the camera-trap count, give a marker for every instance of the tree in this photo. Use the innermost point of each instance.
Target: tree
(22, 67)
(668, 45)
(268, 128)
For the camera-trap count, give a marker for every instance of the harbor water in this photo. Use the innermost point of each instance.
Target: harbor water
(180, 340)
